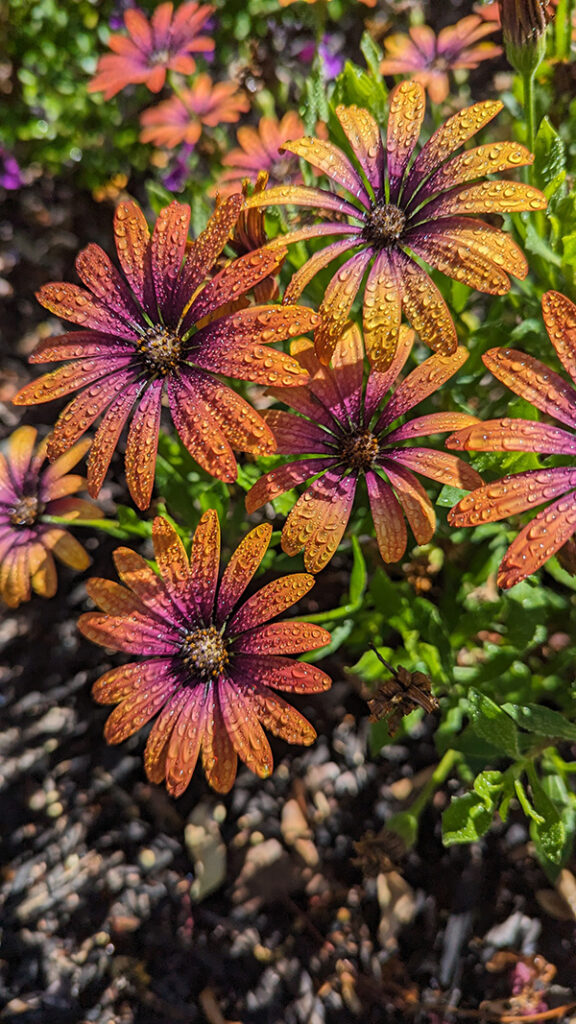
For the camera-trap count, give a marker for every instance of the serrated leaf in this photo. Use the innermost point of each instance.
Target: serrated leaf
(541, 721)
(466, 819)
(492, 724)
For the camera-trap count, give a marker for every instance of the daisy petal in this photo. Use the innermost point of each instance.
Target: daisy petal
(316, 262)
(382, 311)
(282, 638)
(337, 303)
(560, 319)
(137, 635)
(281, 673)
(388, 520)
(157, 744)
(434, 423)
(81, 412)
(75, 304)
(283, 479)
(538, 541)
(108, 434)
(188, 732)
(135, 572)
(448, 138)
(270, 601)
(301, 195)
(174, 566)
(379, 383)
(280, 718)
(296, 436)
(219, 759)
(508, 435)
(120, 683)
(407, 105)
(241, 568)
(447, 469)
(415, 502)
(244, 729)
(425, 307)
(167, 249)
(233, 282)
(330, 160)
(535, 382)
(457, 260)
(487, 197)
(427, 378)
(99, 274)
(203, 437)
(363, 134)
(475, 163)
(511, 495)
(205, 563)
(133, 247)
(137, 709)
(70, 378)
(206, 249)
(142, 445)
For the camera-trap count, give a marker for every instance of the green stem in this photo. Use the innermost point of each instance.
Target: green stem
(111, 526)
(441, 772)
(528, 84)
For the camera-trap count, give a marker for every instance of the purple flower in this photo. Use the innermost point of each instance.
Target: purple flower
(179, 172)
(332, 61)
(10, 174)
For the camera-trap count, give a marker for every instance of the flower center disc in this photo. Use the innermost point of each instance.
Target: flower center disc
(384, 225)
(358, 451)
(204, 653)
(161, 349)
(26, 512)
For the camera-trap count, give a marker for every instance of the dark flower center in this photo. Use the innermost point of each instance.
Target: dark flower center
(204, 653)
(384, 225)
(25, 512)
(359, 450)
(161, 349)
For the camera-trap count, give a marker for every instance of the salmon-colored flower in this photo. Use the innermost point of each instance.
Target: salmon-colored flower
(211, 667)
(519, 492)
(403, 206)
(429, 58)
(182, 118)
(164, 329)
(29, 495)
(259, 150)
(344, 436)
(152, 46)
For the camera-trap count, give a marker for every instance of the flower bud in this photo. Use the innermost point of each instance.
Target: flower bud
(524, 30)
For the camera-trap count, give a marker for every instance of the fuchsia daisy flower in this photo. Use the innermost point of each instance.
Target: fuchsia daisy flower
(344, 435)
(165, 330)
(182, 118)
(167, 40)
(29, 496)
(520, 492)
(405, 207)
(428, 58)
(211, 667)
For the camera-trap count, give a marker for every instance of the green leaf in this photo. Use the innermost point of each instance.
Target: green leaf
(372, 55)
(492, 724)
(549, 154)
(541, 721)
(466, 819)
(449, 496)
(549, 835)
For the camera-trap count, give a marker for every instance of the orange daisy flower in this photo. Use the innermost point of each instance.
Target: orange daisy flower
(428, 58)
(29, 495)
(164, 328)
(403, 206)
(165, 41)
(181, 118)
(211, 666)
(520, 492)
(260, 150)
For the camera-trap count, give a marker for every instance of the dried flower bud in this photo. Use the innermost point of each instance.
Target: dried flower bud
(523, 28)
